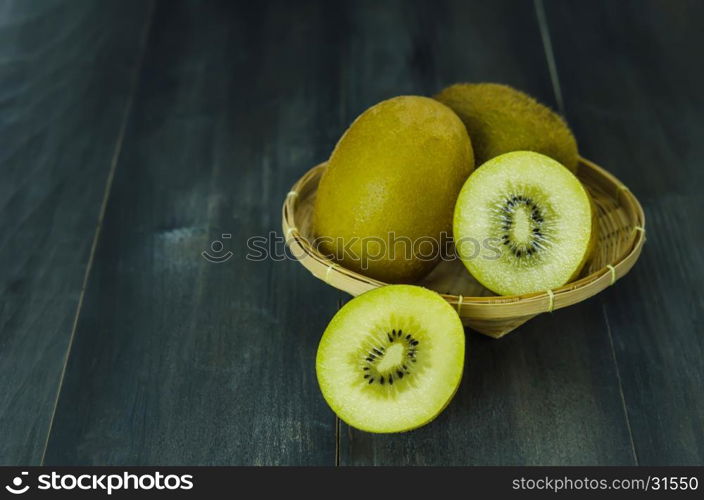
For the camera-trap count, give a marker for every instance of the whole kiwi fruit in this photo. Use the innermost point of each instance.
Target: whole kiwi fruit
(388, 192)
(501, 119)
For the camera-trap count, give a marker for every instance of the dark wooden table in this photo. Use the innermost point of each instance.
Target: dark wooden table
(133, 134)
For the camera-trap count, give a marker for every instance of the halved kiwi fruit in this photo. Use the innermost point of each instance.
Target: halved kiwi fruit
(391, 359)
(535, 213)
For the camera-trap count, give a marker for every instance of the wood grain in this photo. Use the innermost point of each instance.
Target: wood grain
(548, 392)
(177, 360)
(66, 72)
(182, 361)
(632, 84)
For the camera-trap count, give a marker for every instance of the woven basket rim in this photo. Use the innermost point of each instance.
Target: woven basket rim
(488, 307)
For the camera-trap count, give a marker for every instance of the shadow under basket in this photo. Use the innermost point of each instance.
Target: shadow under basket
(621, 238)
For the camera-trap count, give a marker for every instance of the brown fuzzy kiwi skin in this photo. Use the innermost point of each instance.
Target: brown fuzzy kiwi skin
(500, 119)
(396, 170)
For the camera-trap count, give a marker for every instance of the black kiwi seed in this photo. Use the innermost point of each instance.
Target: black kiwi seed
(505, 219)
(377, 353)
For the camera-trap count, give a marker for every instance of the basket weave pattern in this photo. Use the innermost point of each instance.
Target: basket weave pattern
(621, 238)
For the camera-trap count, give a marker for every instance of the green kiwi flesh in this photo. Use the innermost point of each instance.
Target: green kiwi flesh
(536, 215)
(391, 359)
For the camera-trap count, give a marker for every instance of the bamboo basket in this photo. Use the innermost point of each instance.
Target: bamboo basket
(620, 240)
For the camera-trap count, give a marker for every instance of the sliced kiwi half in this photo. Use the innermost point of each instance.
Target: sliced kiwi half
(391, 359)
(535, 215)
